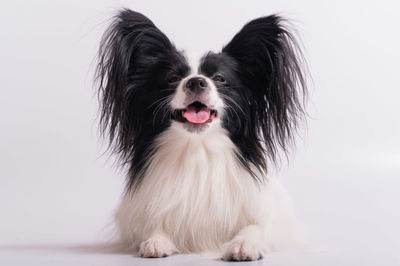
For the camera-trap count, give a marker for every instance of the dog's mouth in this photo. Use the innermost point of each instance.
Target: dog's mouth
(195, 113)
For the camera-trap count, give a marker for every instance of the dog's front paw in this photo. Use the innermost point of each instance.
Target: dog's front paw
(241, 250)
(157, 247)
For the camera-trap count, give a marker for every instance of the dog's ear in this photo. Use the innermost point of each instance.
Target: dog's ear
(130, 48)
(271, 69)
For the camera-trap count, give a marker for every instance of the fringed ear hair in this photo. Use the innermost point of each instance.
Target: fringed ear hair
(271, 69)
(133, 55)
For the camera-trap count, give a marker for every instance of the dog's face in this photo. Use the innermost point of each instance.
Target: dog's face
(253, 87)
(207, 94)
(196, 102)
(191, 92)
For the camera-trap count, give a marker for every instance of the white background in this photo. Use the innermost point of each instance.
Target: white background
(58, 192)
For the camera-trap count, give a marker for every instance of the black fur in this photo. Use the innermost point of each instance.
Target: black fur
(135, 62)
(263, 91)
(265, 88)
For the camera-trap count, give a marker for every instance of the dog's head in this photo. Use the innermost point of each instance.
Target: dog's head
(253, 87)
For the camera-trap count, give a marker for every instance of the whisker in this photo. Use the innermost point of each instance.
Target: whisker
(161, 106)
(233, 111)
(229, 99)
(159, 100)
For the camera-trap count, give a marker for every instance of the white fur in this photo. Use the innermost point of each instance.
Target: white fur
(194, 60)
(157, 246)
(197, 196)
(179, 100)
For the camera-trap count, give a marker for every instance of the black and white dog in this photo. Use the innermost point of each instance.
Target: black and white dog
(197, 137)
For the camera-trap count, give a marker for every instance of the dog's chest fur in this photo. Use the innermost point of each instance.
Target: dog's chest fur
(195, 189)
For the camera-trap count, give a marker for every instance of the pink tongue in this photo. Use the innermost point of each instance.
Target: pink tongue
(196, 117)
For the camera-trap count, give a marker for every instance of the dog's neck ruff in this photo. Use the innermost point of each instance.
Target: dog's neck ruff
(195, 188)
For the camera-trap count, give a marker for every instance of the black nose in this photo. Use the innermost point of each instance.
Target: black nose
(196, 84)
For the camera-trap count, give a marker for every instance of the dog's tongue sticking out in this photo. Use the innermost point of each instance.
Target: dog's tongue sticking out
(197, 115)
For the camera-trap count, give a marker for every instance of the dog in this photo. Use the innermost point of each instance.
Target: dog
(197, 137)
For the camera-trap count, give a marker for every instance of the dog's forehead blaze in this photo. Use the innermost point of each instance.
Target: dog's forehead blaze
(194, 61)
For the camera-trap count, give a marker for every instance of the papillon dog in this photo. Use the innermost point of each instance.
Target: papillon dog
(197, 136)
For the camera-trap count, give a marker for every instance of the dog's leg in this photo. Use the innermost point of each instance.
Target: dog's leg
(246, 245)
(157, 246)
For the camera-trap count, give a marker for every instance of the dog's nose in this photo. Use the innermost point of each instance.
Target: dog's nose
(196, 84)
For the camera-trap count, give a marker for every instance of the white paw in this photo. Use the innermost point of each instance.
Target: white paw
(157, 247)
(241, 250)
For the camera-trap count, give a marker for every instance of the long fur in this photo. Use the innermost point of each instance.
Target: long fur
(197, 191)
(202, 201)
(272, 82)
(134, 60)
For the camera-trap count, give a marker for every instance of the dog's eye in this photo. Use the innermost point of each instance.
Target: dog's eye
(219, 78)
(174, 79)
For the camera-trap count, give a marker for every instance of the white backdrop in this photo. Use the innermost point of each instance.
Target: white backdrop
(57, 190)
